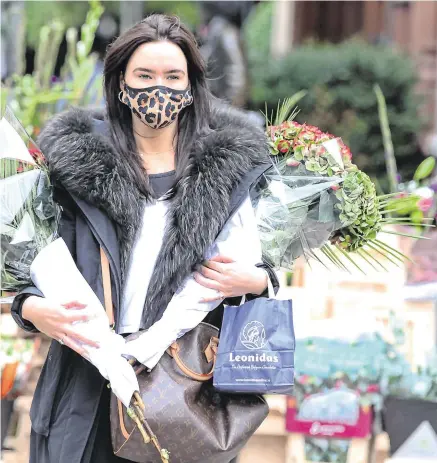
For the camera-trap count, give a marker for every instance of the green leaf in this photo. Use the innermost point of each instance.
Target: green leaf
(393, 250)
(417, 217)
(405, 234)
(378, 250)
(334, 257)
(331, 259)
(361, 253)
(389, 250)
(285, 111)
(345, 254)
(298, 155)
(367, 253)
(425, 169)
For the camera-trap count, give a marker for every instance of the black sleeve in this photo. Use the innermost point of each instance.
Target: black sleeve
(67, 231)
(272, 276)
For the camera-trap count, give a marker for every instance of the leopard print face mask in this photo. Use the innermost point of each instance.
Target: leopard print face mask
(156, 106)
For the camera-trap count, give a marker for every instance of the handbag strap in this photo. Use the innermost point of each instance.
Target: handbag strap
(137, 404)
(107, 291)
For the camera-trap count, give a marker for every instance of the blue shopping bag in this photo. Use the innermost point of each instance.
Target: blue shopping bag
(256, 348)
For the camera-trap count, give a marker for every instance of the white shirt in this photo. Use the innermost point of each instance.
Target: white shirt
(239, 240)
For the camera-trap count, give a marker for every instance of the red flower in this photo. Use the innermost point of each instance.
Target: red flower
(295, 124)
(290, 133)
(346, 152)
(320, 150)
(335, 187)
(424, 204)
(292, 162)
(307, 135)
(315, 130)
(284, 146)
(372, 388)
(272, 130)
(37, 155)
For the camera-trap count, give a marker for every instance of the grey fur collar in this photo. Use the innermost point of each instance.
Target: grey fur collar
(86, 164)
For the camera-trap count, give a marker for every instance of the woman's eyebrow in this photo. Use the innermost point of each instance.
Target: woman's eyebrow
(175, 71)
(151, 71)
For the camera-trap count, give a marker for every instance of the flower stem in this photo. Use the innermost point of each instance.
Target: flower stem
(390, 159)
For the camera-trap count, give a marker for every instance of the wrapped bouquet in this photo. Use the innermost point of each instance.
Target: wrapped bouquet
(33, 254)
(316, 203)
(28, 216)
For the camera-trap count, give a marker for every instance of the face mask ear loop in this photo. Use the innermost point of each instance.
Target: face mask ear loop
(122, 82)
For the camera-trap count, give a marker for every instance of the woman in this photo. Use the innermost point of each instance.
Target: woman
(161, 183)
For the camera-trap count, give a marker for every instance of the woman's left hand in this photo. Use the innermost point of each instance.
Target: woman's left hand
(230, 278)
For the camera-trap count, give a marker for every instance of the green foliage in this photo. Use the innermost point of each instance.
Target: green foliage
(339, 79)
(425, 169)
(188, 11)
(41, 13)
(359, 211)
(33, 98)
(256, 35)
(416, 202)
(70, 13)
(389, 154)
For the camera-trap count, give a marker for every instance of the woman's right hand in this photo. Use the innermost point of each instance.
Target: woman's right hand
(56, 320)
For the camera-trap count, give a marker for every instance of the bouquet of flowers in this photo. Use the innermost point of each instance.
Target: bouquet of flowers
(33, 254)
(314, 198)
(28, 215)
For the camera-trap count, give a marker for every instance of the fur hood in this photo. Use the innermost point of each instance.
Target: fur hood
(85, 163)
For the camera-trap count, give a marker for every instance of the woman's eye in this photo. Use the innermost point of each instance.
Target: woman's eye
(173, 77)
(145, 76)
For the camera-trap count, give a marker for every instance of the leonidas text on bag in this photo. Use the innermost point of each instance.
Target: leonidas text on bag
(256, 350)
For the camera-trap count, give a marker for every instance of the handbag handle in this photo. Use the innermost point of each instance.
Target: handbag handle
(107, 291)
(210, 353)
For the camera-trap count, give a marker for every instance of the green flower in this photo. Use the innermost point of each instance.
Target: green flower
(360, 215)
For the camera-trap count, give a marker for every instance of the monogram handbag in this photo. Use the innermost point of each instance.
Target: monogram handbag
(183, 418)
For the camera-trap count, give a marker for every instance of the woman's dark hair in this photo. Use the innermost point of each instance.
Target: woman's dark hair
(193, 120)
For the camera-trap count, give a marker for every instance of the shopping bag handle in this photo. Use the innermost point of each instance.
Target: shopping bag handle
(271, 290)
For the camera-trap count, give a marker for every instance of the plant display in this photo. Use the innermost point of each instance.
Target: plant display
(34, 98)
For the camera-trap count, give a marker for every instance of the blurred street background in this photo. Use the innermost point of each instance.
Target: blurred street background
(373, 336)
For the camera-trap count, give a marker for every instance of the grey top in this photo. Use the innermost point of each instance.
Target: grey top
(162, 183)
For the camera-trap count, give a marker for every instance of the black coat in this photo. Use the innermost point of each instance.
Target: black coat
(102, 207)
